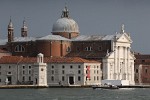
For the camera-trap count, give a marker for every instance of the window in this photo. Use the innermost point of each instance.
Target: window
(79, 66)
(9, 67)
(42, 69)
(0, 67)
(78, 49)
(68, 49)
(9, 73)
(52, 78)
(97, 78)
(23, 78)
(63, 72)
(71, 66)
(79, 78)
(19, 48)
(88, 48)
(0, 73)
(63, 78)
(79, 72)
(52, 71)
(29, 78)
(63, 66)
(23, 72)
(97, 71)
(100, 48)
(136, 70)
(0, 80)
(29, 67)
(94, 78)
(29, 71)
(23, 67)
(52, 67)
(146, 70)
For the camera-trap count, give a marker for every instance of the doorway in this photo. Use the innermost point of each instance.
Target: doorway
(9, 80)
(71, 80)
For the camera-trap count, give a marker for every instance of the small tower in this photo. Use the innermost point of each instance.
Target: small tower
(24, 29)
(40, 71)
(10, 31)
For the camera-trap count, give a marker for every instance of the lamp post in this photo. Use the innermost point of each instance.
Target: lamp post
(18, 69)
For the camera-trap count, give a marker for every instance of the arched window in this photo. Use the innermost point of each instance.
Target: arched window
(19, 48)
(68, 49)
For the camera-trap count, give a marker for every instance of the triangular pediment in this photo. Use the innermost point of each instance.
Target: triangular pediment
(125, 38)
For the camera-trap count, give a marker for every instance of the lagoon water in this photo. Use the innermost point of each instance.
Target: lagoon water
(74, 94)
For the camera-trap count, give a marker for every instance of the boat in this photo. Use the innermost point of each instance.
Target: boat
(106, 87)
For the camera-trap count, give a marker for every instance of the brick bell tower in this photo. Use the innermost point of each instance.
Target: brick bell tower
(10, 31)
(24, 29)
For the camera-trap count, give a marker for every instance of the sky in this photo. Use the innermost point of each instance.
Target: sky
(94, 17)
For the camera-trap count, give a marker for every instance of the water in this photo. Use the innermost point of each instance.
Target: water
(74, 94)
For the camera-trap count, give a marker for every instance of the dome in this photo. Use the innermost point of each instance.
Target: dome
(65, 25)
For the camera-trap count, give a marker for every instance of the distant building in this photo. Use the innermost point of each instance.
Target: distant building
(114, 51)
(70, 71)
(142, 69)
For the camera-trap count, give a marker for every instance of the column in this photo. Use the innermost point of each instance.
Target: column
(115, 62)
(128, 63)
(118, 67)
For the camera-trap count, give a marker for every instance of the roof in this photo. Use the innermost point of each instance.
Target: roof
(96, 37)
(24, 39)
(65, 25)
(20, 59)
(53, 37)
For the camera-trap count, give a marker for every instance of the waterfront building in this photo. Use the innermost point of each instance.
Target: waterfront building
(41, 71)
(142, 69)
(113, 51)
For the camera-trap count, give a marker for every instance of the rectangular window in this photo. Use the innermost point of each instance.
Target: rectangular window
(52, 71)
(71, 66)
(52, 78)
(23, 72)
(9, 67)
(23, 67)
(29, 67)
(29, 71)
(63, 78)
(23, 78)
(29, 78)
(136, 70)
(52, 66)
(79, 66)
(79, 72)
(9, 73)
(79, 78)
(0, 80)
(63, 72)
(146, 70)
(63, 67)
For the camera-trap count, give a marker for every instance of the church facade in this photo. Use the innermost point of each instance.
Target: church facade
(113, 51)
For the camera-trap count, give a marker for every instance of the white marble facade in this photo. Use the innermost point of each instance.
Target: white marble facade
(119, 64)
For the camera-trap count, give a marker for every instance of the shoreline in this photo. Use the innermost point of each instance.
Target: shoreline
(38, 87)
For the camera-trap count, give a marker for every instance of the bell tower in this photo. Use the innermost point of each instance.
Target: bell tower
(24, 29)
(40, 71)
(10, 31)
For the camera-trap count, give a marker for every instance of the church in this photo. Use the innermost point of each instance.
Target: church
(112, 52)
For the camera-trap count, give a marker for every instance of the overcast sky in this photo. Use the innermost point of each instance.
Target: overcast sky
(94, 17)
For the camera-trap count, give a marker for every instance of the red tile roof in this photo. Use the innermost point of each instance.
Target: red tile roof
(19, 59)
